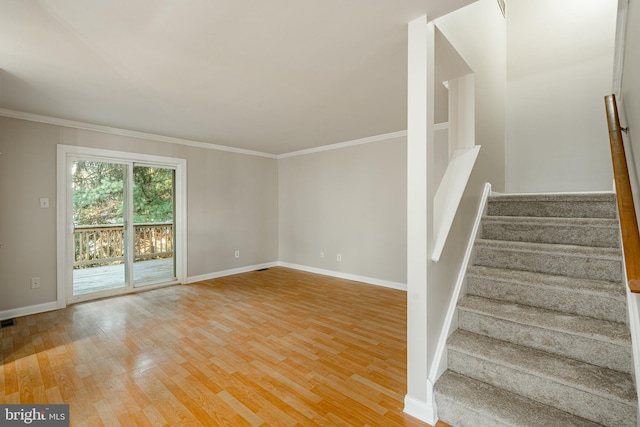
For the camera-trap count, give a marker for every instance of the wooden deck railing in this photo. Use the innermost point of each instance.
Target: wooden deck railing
(153, 240)
(104, 244)
(624, 195)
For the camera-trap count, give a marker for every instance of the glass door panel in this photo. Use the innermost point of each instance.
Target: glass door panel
(153, 225)
(99, 216)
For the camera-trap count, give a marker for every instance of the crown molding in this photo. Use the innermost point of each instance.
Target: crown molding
(367, 140)
(14, 114)
(124, 132)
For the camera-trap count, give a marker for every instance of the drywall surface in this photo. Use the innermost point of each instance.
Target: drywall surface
(232, 204)
(27, 232)
(630, 92)
(559, 68)
(349, 201)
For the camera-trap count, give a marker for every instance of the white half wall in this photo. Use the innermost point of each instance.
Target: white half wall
(477, 33)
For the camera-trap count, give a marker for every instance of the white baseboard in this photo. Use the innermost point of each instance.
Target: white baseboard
(25, 311)
(340, 275)
(420, 410)
(230, 272)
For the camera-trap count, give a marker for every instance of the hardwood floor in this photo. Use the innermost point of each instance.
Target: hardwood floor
(276, 347)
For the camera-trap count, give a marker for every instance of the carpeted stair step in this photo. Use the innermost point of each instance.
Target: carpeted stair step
(594, 298)
(594, 341)
(542, 338)
(573, 205)
(563, 260)
(465, 402)
(595, 232)
(592, 392)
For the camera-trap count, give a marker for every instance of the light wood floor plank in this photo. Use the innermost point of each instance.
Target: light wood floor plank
(277, 347)
(154, 416)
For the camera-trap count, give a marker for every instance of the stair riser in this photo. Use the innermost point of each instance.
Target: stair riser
(558, 263)
(461, 416)
(606, 411)
(464, 402)
(606, 354)
(603, 237)
(575, 209)
(550, 298)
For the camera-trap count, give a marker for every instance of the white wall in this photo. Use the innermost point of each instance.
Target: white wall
(630, 91)
(232, 205)
(559, 68)
(350, 201)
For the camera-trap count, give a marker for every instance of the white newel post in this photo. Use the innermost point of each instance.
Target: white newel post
(420, 127)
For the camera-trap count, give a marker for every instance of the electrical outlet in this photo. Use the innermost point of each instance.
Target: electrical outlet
(339, 257)
(321, 254)
(35, 283)
(237, 254)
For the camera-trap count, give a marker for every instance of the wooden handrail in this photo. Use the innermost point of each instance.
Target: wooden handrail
(626, 208)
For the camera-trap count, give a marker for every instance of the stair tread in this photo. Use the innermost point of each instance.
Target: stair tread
(581, 205)
(506, 408)
(602, 330)
(552, 220)
(602, 288)
(589, 378)
(554, 197)
(589, 232)
(575, 250)
(599, 299)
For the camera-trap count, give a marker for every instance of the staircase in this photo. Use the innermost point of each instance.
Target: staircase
(542, 335)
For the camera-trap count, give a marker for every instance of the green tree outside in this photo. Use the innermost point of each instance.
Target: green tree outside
(152, 194)
(98, 193)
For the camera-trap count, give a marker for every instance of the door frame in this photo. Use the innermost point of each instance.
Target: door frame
(65, 210)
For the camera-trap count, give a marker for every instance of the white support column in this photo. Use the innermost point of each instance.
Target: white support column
(462, 121)
(420, 125)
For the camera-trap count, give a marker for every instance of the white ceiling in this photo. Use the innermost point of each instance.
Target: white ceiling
(273, 76)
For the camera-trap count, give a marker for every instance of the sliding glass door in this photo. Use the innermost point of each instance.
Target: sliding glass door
(99, 218)
(153, 228)
(123, 226)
